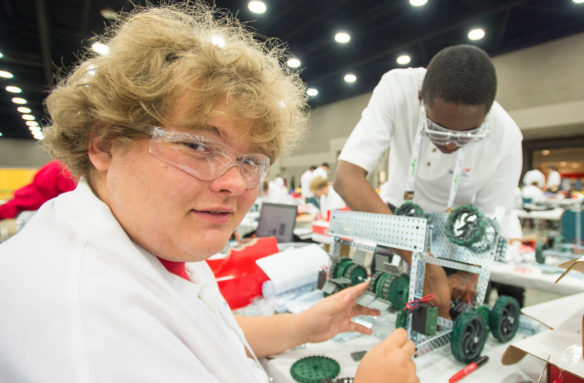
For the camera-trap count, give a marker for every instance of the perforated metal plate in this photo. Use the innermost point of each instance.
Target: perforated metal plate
(429, 344)
(407, 233)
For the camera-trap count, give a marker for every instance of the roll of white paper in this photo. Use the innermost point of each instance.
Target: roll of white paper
(292, 268)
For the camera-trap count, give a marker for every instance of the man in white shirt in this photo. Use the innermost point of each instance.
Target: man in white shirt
(446, 132)
(305, 182)
(322, 170)
(554, 179)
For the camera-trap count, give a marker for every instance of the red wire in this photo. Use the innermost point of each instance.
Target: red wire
(416, 302)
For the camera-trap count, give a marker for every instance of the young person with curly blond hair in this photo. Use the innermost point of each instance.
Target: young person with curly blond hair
(171, 133)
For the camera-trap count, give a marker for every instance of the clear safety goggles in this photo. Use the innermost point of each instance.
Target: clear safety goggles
(205, 158)
(443, 136)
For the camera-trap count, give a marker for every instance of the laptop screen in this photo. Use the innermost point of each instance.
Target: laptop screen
(277, 220)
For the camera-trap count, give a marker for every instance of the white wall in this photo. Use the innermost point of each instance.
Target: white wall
(22, 154)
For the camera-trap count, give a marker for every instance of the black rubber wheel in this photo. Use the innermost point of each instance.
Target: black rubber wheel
(504, 318)
(468, 336)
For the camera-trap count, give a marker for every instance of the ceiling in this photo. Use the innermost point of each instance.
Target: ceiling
(39, 38)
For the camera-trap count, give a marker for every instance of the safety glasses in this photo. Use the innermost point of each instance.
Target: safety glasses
(443, 136)
(205, 158)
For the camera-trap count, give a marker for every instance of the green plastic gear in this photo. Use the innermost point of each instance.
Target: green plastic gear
(383, 286)
(489, 238)
(398, 291)
(374, 279)
(539, 248)
(313, 369)
(410, 209)
(465, 225)
(338, 267)
(485, 312)
(401, 320)
(504, 318)
(468, 336)
(356, 273)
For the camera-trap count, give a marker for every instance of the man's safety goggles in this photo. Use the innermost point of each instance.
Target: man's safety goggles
(443, 136)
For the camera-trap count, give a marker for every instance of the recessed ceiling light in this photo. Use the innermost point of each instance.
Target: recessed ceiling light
(28, 117)
(578, 1)
(5, 74)
(257, 6)
(13, 89)
(34, 128)
(0, 134)
(476, 34)
(545, 152)
(404, 59)
(418, 3)
(350, 78)
(32, 123)
(218, 41)
(342, 37)
(109, 14)
(563, 163)
(23, 109)
(312, 92)
(19, 100)
(293, 62)
(100, 48)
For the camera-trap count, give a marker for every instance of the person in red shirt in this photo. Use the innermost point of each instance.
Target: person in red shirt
(51, 180)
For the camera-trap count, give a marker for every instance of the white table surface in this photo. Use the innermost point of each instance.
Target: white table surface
(434, 367)
(538, 277)
(550, 215)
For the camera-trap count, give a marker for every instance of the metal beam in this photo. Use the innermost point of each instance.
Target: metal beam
(44, 37)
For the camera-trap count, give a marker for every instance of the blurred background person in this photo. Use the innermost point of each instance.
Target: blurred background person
(329, 198)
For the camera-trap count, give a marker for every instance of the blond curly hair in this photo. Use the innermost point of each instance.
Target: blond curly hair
(158, 55)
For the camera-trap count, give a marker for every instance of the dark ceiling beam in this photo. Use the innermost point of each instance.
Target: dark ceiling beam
(447, 27)
(29, 63)
(84, 23)
(9, 9)
(366, 17)
(45, 38)
(502, 29)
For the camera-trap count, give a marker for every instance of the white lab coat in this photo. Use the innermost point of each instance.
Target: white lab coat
(80, 302)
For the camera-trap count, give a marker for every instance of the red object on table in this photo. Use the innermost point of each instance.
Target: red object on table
(239, 278)
(561, 376)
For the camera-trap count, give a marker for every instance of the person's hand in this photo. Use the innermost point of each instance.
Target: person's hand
(436, 282)
(389, 361)
(333, 315)
(463, 286)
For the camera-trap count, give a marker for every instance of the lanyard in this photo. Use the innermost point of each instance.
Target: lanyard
(456, 172)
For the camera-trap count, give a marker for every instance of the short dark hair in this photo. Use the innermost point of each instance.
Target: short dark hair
(325, 164)
(312, 167)
(462, 74)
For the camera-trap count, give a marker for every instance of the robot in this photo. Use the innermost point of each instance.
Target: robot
(463, 240)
